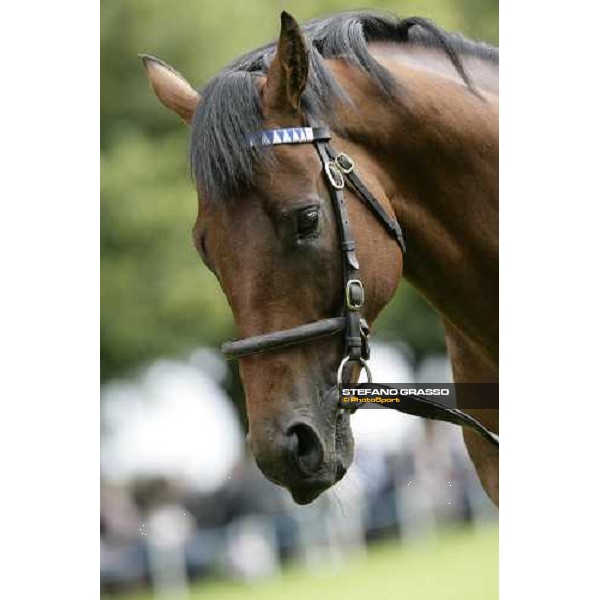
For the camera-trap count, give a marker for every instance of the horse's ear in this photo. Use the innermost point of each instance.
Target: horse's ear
(288, 73)
(171, 88)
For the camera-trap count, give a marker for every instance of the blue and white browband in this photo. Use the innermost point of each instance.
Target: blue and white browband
(290, 135)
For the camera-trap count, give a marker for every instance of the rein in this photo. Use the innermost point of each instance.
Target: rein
(339, 170)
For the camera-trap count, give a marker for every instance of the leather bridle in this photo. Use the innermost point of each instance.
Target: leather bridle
(339, 170)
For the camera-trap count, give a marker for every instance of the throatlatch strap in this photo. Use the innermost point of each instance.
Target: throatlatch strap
(390, 225)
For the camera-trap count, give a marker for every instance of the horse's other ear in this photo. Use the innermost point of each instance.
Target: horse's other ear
(288, 73)
(171, 88)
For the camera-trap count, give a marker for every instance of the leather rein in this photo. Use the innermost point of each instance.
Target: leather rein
(339, 170)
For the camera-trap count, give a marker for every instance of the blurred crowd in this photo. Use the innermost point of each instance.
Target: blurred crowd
(160, 533)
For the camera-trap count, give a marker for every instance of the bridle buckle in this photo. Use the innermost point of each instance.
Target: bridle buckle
(355, 294)
(334, 175)
(344, 163)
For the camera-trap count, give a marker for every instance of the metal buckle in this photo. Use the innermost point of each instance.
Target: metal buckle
(344, 163)
(334, 175)
(364, 365)
(349, 301)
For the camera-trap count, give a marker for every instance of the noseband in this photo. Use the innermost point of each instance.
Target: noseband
(339, 170)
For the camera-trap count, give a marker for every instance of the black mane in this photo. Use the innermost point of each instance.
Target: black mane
(229, 113)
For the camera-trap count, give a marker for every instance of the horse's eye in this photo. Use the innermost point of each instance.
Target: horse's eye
(307, 221)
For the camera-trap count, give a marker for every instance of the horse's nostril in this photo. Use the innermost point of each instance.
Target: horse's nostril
(306, 447)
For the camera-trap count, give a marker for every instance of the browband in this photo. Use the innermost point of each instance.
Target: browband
(290, 135)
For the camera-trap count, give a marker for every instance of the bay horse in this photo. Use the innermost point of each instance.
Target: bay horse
(416, 108)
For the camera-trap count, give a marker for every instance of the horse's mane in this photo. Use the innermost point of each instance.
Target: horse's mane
(229, 113)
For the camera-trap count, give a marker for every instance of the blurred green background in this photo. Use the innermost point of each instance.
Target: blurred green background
(455, 565)
(157, 297)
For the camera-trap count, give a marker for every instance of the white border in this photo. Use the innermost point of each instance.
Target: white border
(549, 298)
(49, 248)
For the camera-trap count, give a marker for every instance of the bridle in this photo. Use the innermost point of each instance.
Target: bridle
(339, 170)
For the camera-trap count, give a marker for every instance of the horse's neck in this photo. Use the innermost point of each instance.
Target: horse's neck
(438, 148)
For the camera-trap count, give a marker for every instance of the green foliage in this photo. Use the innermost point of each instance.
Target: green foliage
(157, 298)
